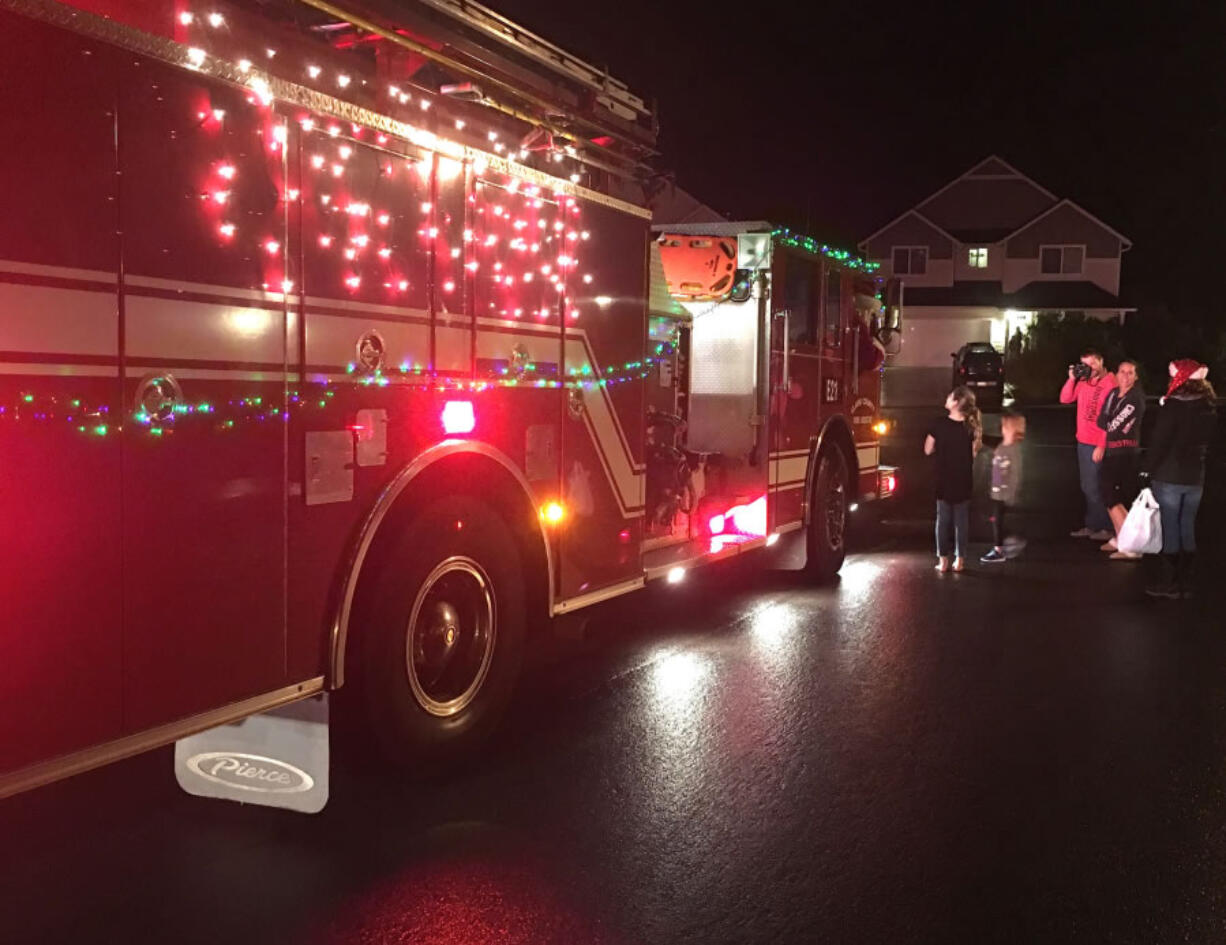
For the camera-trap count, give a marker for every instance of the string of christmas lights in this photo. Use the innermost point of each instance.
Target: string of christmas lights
(209, 37)
(786, 237)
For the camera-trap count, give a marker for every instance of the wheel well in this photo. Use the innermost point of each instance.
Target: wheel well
(461, 474)
(835, 435)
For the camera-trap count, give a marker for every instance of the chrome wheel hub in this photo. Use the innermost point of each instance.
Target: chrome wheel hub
(450, 638)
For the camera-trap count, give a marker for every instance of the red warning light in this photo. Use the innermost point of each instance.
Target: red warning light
(458, 417)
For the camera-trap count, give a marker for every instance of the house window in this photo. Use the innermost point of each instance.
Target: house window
(977, 257)
(910, 260)
(1055, 260)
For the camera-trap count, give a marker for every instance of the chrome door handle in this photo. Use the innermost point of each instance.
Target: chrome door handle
(157, 395)
(785, 377)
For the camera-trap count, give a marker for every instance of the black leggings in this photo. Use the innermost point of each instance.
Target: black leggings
(998, 523)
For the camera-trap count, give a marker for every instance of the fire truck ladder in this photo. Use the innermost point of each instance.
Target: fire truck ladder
(614, 94)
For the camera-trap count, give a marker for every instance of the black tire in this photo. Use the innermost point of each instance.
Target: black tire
(444, 643)
(827, 537)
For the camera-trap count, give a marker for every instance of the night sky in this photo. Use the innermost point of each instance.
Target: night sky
(841, 116)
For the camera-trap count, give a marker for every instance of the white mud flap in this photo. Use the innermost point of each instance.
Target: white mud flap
(278, 758)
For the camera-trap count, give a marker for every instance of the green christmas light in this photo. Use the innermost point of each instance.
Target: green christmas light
(786, 237)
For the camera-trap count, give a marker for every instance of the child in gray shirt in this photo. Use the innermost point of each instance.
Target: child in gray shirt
(1006, 487)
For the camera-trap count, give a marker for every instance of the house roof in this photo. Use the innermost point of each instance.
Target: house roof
(1036, 296)
(982, 236)
(1127, 243)
(982, 293)
(1062, 296)
(673, 204)
(990, 166)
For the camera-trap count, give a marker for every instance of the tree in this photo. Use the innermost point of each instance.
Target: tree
(1036, 362)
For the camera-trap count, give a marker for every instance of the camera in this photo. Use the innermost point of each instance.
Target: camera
(1081, 371)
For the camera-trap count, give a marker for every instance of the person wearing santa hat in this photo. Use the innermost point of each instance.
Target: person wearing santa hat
(1175, 464)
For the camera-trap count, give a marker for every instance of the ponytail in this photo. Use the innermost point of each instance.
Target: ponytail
(972, 419)
(974, 426)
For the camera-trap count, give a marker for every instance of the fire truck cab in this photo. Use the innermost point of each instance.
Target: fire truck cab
(337, 351)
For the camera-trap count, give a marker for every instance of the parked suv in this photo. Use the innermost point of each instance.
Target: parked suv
(981, 368)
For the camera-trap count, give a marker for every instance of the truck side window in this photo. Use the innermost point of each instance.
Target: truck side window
(834, 307)
(798, 298)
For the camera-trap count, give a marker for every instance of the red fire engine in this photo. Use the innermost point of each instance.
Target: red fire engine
(336, 349)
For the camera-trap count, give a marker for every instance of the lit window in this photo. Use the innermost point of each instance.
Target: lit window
(910, 260)
(977, 257)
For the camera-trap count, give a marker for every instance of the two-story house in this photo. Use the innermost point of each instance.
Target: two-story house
(979, 259)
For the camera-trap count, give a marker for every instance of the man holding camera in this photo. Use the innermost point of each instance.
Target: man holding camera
(1087, 386)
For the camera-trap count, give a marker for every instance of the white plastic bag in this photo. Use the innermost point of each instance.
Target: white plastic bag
(1141, 532)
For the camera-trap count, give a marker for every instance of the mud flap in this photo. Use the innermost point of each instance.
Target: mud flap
(278, 758)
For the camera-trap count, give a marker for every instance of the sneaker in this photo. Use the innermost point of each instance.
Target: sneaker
(1125, 556)
(995, 556)
(1110, 546)
(1103, 535)
(1080, 533)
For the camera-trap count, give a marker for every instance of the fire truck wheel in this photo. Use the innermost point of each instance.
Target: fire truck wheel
(828, 516)
(445, 642)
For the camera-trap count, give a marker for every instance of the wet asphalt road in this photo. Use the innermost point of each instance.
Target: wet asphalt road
(1029, 753)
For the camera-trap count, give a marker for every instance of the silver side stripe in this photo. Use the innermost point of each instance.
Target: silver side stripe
(208, 331)
(784, 468)
(54, 320)
(201, 288)
(332, 339)
(59, 370)
(58, 272)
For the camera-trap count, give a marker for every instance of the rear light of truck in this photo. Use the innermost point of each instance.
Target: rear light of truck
(887, 481)
(458, 417)
(747, 520)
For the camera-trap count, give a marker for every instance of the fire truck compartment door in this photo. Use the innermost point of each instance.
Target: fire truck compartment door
(204, 484)
(724, 377)
(60, 462)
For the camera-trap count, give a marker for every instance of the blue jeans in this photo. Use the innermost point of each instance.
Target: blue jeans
(953, 517)
(1177, 507)
(1097, 519)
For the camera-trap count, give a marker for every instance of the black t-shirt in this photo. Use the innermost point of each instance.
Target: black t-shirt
(955, 458)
